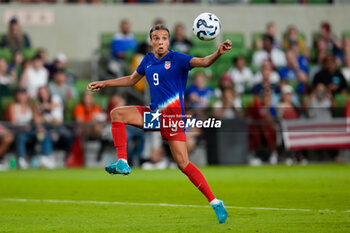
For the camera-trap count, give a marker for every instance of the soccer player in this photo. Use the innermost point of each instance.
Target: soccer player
(166, 72)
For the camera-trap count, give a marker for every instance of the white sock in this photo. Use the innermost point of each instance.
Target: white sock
(214, 202)
(124, 160)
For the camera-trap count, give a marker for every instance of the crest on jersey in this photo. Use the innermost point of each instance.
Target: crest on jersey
(167, 65)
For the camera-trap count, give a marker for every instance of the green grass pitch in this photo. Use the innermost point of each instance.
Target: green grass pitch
(307, 199)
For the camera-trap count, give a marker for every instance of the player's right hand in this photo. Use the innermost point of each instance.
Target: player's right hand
(96, 86)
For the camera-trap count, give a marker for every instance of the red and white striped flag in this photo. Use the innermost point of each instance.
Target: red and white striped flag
(304, 134)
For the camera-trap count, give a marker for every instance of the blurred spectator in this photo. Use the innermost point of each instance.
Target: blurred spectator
(90, 115)
(321, 53)
(295, 72)
(17, 63)
(333, 43)
(269, 52)
(346, 69)
(224, 82)
(265, 83)
(295, 97)
(179, 42)
(6, 139)
(15, 39)
(330, 76)
(271, 31)
(44, 56)
(303, 59)
(198, 93)
(262, 129)
(274, 76)
(320, 103)
(123, 43)
(240, 74)
(60, 87)
(50, 107)
(286, 109)
(51, 110)
(6, 79)
(34, 76)
(228, 106)
(292, 38)
(115, 100)
(22, 115)
(60, 63)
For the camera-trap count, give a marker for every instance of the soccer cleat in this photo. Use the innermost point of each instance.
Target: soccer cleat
(119, 167)
(220, 211)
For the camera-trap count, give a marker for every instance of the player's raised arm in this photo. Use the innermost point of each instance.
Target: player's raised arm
(126, 81)
(208, 60)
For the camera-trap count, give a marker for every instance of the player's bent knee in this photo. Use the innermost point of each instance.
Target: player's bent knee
(117, 115)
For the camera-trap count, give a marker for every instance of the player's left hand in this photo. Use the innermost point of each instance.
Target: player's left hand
(95, 86)
(225, 47)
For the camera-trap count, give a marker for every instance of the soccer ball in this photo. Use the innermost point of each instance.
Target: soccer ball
(206, 26)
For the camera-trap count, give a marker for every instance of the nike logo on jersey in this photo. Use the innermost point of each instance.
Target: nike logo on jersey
(172, 134)
(148, 66)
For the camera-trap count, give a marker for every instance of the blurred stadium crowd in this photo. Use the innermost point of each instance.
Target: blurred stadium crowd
(44, 106)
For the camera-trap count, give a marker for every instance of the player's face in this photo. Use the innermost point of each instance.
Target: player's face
(160, 42)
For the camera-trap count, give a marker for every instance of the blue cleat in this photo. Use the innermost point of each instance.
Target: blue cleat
(220, 211)
(119, 167)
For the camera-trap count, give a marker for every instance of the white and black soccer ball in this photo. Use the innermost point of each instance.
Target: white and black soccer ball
(206, 26)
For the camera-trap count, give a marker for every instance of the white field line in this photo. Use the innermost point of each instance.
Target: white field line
(155, 204)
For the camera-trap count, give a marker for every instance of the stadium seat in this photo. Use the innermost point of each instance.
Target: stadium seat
(219, 68)
(340, 102)
(294, 84)
(318, 1)
(69, 110)
(81, 85)
(102, 101)
(237, 39)
(287, 1)
(315, 36)
(197, 43)
(106, 40)
(255, 37)
(29, 53)
(6, 54)
(260, 1)
(346, 34)
(201, 52)
(141, 37)
(302, 35)
(254, 68)
(247, 100)
(4, 103)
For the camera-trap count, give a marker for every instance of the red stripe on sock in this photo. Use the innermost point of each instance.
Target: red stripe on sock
(197, 178)
(119, 138)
